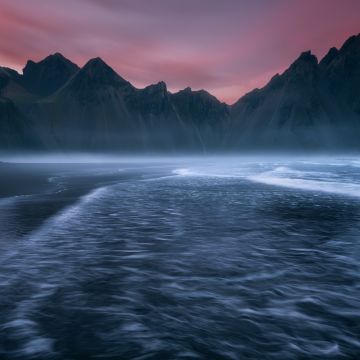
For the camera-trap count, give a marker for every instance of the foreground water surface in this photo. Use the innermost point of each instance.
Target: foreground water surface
(188, 259)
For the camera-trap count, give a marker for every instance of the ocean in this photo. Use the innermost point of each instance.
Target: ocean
(181, 258)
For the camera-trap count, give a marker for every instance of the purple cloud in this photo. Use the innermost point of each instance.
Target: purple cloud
(227, 47)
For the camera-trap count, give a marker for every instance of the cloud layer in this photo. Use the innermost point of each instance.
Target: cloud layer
(227, 47)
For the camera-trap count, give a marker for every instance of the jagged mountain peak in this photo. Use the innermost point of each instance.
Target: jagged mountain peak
(351, 43)
(98, 71)
(96, 79)
(329, 57)
(161, 85)
(303, 69)
(48, 75)
(159, 88)
(186, 90)
(56, 59)
(190, 93)
(306, 58)
(199, 106)
(309, 96)
(58, 55)
(96, 62)
(204, 93)
(200, 93)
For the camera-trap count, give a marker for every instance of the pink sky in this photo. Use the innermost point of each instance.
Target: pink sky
(227, 47)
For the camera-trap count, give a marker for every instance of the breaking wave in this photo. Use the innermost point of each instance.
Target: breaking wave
(309, 181)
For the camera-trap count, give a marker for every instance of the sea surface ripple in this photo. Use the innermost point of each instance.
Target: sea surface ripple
(260, 262)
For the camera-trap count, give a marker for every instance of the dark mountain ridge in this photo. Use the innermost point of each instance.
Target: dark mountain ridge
(48, 75)
(310, 105)
(56, 105)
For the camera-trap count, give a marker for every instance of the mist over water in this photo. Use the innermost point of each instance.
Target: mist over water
(180, 258)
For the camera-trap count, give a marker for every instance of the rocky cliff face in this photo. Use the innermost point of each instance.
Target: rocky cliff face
(60, 106)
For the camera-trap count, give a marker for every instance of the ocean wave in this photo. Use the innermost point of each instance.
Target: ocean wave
(295, 179)
(69, 212)
(143, 270)
(211, 172)
(8, 200)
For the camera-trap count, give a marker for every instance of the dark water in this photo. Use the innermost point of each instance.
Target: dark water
(211, 259)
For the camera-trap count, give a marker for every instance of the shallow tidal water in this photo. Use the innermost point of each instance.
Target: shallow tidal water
(190, 259)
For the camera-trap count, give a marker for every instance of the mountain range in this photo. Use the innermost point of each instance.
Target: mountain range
(55, 105)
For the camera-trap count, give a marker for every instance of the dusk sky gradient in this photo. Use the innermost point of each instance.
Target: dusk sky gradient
(227, 47)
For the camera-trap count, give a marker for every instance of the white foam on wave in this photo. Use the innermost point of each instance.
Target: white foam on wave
(282, 175)
(210, 172)
(355, 163)
(284, 170)
(10, 200)
(184, 172)
(38, 346)
(69, 212)
(352, 162)
(285, 177)
(75, 209)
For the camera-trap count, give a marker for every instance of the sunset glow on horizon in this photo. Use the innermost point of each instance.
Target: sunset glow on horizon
(225, 47)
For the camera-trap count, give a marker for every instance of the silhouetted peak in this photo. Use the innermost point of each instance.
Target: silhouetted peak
(306, 57)
(189, 91)
(328, 58)
(303, 67)
(203, 92)
(274, 82)
(96, 73)
(98, 68)
(275, 77)
(49, 74)
(186, 91)
(160, 87)
(28, 64)
(53, 60)
(351, 43)
(56, 57)
(199, 96)
(96, 62)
